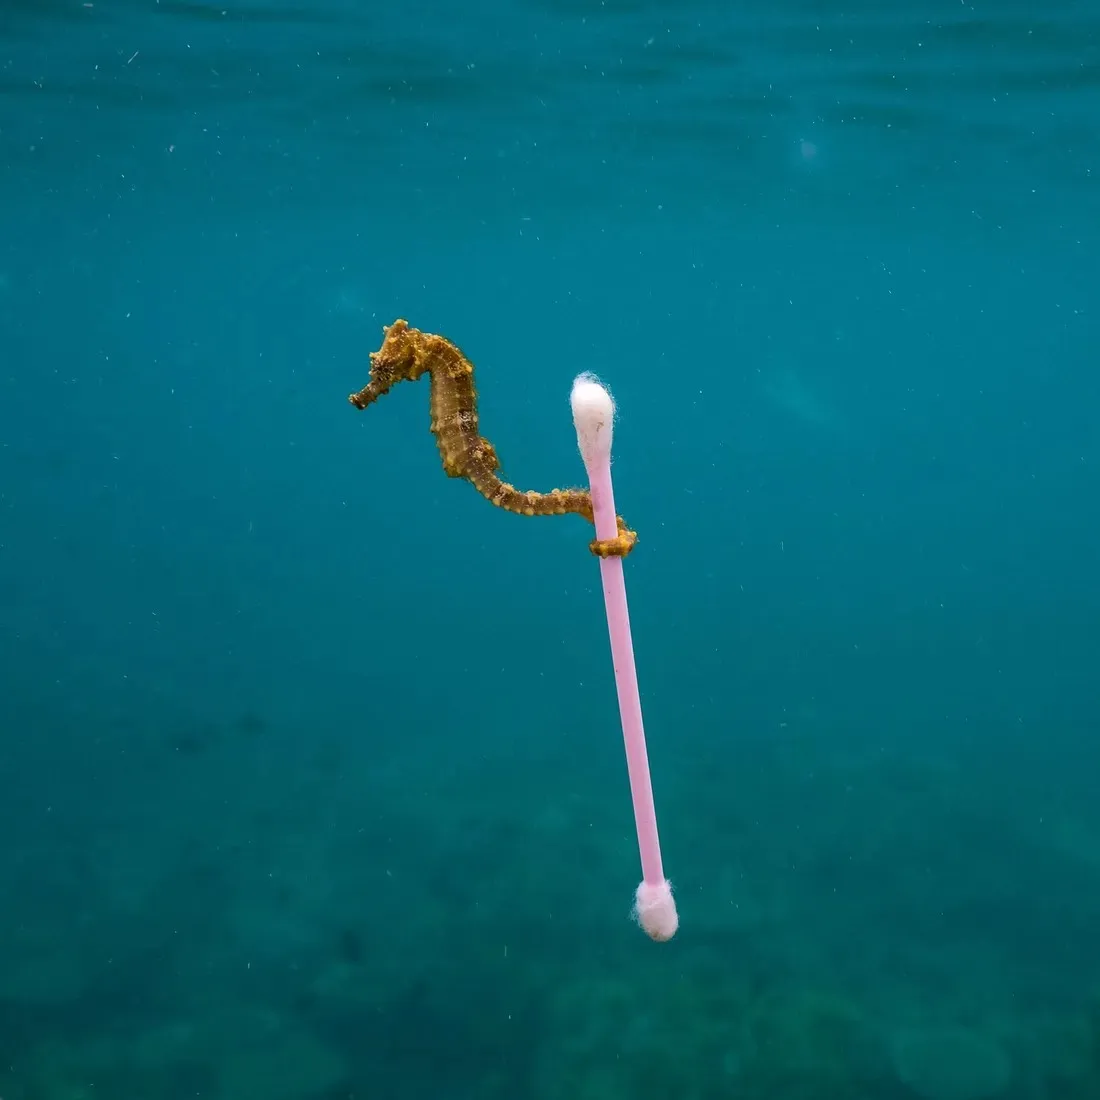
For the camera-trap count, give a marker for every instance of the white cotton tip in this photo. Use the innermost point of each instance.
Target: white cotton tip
(593, 417)
(655, 911)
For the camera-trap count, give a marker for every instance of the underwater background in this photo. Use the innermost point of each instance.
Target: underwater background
(311, 778)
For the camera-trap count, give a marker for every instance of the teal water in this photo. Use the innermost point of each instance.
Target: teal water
(311, 772)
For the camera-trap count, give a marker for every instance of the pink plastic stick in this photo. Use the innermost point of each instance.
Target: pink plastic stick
(594, 416)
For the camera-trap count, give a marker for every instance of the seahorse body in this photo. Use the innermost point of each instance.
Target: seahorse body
(405, 355)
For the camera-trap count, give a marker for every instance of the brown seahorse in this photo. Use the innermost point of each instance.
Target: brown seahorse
(405, 355)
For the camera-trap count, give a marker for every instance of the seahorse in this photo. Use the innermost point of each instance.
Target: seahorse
(407, 354)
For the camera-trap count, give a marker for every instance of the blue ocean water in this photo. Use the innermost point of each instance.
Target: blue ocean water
(311, 773)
